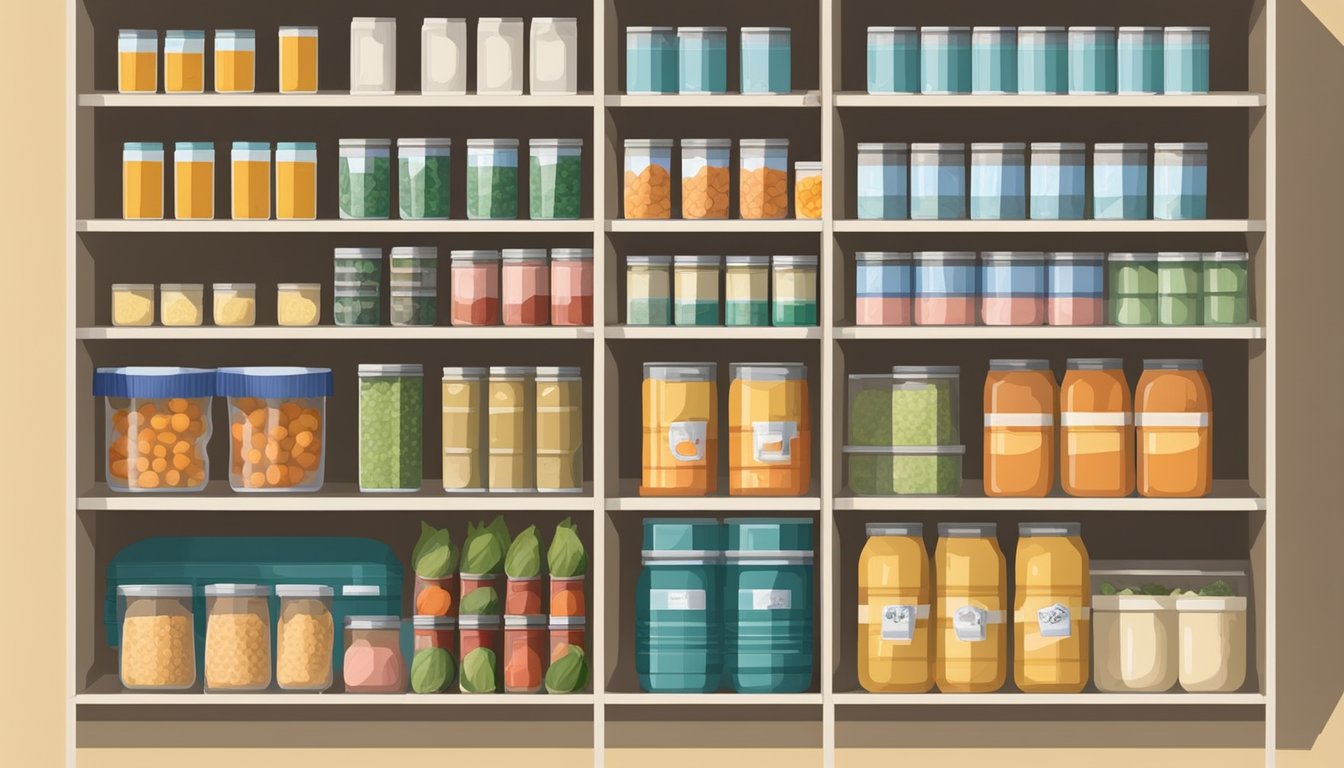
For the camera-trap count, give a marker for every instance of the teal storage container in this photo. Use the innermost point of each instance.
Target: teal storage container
(679, 619)
(1186, 59)
(1139, 53)
(994, 60)
(766, 60)
(893, 60)
(945, 59)
(1042, 60)
(651, 60)
(768, 605)
(1092, 60)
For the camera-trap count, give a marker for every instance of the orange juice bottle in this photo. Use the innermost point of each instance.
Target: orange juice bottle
(251, 179)
(1096, 429)
(769, 430)
(137, 61)
(184, 61)
(298, 59)
(235, 60)
(296, 180)
(972, 578)
(895, 641)
(142, 180)
(1052, 607)
(681, 429)
(194, 180)
(1173, 418)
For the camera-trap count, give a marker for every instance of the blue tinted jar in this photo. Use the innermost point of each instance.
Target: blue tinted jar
(945, 59)
(1180, 181)
(1075, 288)
(946, 287)
(1012, 288)
(884, 288)
(893, 60)
(1139, 60)
(1120, 181)
(1058, 181)
(999, 181)
(994, 60)
(937, 181)
(650, 60)
(1185, 53)
(1042, 60)
(1091, 59)
(678, 616)
(768, 605)
(702, 55)
(883, 181)
(766, 60)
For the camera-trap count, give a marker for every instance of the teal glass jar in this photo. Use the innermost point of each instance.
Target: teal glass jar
(766, 55)
(768, 605)
(1042, 60)
(702, 58)
(1139, 60)
(1185, 55)
(994, 60)
(1091, 60)
(650, 60)
(678, 615)
(893, 60)
(945, 59)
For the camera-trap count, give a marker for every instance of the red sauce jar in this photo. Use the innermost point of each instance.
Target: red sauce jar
(525, 653)
(522, 596)
(567, 596)
(435, 632)
(527, 287)
(475, 288)
(571, 286)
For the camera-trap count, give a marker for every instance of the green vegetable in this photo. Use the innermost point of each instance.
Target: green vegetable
(569, 673)
(481, 601)
(1106, 588)
(478, 672)
(484, 551)
(424, 193)
(431, 670)
(566, 556)
(524, 558)
(391, 453)
(434, 556)
(1127, 592)
(555, 189)
(365, 195)
(1218, 588)
(1155, 590)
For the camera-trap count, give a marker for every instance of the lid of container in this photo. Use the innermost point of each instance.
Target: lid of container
(1012, 256)
(143, 146)
(568, 622)
(807, 165)
(1226, 256)
(415, 252)
(904, 450)
(426, 292)
(543, 143)
(1095, 364)
(1018, 365)
(1131, 257)
(883, 146)
(747, 261)
(702, 261)
(523, 254)
(478, 621)
(154, 590)
(1121, 146)
(303, 590)
(376, 143)
(474, 255)
(525, 622)
(794, 261)
(1001, 146)
(706, 143)
(132, 286)
(968, 530)
(512, 370)
(944, 30)
(237, 590)
(1136, 603)
(1151, 364)
(502, 19)
(649, 143)
(461, 372)
(701, 30)
(374, 370)
(767, 371)
(769, 535)
(292, 31)
(1210, 604)
(252, 146)
(930, 371)
(652, 261)
(274, 382)
(685, 536)
(1091, 29)
(300, 287)
(138, 33)
(194, 146)
(571, 254)
(557, 372)
(359, 253)
(1049, 529)
(234, 287)
(361, 590)
(1141, 30)
(296, 146)
(1169, 256)
(347, 289)
(763, 143)
(976, 30)
(554, 19)
(938, 147)
(181, 287)
(650, 29)
(914, 530)
(681, 371)
(1058, 146)
(1185, 30)
(945, 255)
(1076, 256)
(766, 30)
(887, 30)
(236, 33)
(883, 256)
(1040, 29)
(154, 382)
(1189, 146)
(373, 622)
(436, 143)
(442, 21)
(493, 143)
(186, 34)
(423, 621)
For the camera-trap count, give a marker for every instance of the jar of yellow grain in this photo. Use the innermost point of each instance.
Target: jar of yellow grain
(304, 636)
(298, 304)
(559, 433)
(158, 641)
(464, 430)
(137, 60)
(157, 423)
(181, 303)
(132, 304)
(235, 304)
(237, 638)
(194, 180)
(235, 60)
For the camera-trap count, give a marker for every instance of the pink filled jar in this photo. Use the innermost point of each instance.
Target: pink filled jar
(884, 288)
(945, 287)
(1075, 285)
(1012, 288)
(571, 286)
(527, 287)
(475, 288)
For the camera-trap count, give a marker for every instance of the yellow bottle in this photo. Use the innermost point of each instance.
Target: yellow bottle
(235, 60)
(972, 578)
(296, 180)
(681, 429)
(137, 61)
(184, 61)
(298, 59)
(194, 180)
(251, 180)
(895, 640)
(142, 180)
(1052, 607)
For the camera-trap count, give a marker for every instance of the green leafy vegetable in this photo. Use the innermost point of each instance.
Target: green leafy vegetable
(569, 673)
(1155, 590)
(434, 556)
(500, 530)
(524, 558)
(1107, 588)
(481, 601)
(483, 553)
(431, 670)
(1218, 588)
(566, 556)
(478, 672)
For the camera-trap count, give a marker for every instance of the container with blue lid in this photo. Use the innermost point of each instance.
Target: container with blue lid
(768, 604)
(277, 427)
(679, 621)
(154, 382)
(157, 425)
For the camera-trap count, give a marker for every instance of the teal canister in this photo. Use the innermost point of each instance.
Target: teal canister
(768, 604)
(679, 619)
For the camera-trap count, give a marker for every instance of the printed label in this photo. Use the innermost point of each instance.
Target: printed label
(1055, 621)
(772, 441)
(676, 599)
(969, 622)
(766, 599)
(898, 622)
(686, 440)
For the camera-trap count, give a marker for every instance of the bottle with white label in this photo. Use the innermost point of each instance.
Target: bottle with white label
(767, 607)
(499, 56)
(895, 591)
(443, 57)
(373, 55)
(678, 616)
(971, 610)
(1052, 607)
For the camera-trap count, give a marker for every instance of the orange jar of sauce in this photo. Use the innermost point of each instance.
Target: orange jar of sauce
(1096, 429)
(1173, 417)
(1021, 398)
(1052, 607)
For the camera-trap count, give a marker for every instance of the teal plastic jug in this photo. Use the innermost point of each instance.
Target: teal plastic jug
(768, 604)
(678, 622)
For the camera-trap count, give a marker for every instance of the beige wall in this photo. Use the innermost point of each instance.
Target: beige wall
(32, 193)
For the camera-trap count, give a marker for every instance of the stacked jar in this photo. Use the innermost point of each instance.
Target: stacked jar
(359, 277)
(945, 287)
(414, 285)
(1012, 288)
(904, 432)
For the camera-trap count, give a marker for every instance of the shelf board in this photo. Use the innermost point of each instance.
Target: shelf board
(331, 99)
(714, 225)
(629, 500)
(910, 332)
(330, 332)
(1227, 496)
(462, 226)
(1048, 699)
(795, 99)
(217, 497)
(1124, 101)
(698, 699)
(710, 333)
(1037, 226)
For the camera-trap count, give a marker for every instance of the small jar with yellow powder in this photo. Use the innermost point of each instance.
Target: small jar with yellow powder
(237, 638)
(181, 304)
(158, 643)
(235, 304)
(298, 304)
(304, 637)
(132, 304)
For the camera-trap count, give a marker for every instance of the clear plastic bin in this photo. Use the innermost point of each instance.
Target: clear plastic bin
(158, 637)
(937, 181)
(1181, 181)
(277, 427)
(157, 425)
(945, 56)
(1139, 55)
(181, 304)
(1042, 60)
(893, 60)
(999, 181)
(994, 60)
(911, 406)
(1092, 60)
(1185, 59)
(424, 178)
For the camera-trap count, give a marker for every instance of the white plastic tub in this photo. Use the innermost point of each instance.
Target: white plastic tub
(1212, 643)
(1134, 643)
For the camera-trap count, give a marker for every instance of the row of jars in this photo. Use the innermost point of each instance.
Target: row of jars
(662, 60)
(685, 290)
(234, 305)
(929, 181)
(763, 180)
(1058, 288)
(1038, 60)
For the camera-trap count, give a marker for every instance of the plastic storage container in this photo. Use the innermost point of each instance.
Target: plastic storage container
(766, 65)
(648, 290)
(499, 56)
(354, 304)
(919, 470)
(763, 186)
(884, 288)
(1021, 400)
(298, 59)
(807, 181)
(893, 60)
(1186, 59)
(746, 281)
(298, 304)
(648, 179)
(424, 178)
(999, 181)
(361, 267)
(895, 653)
(553, 55)
(142, 196)
(696, 296)
(512, 429)
(305, 634)
(1179, 296)
(555, 178)
(1092, 60)
(157, 650)
(184, 61)
(296, 180)
(365, 178)
(373, 661)
(946, 287)
(704, 178)
(1012, 288)
(137, 61)
(1042, 60)
(1134, 643)
(679, 643)
(475, 287)
(132, 304)
(373, 55)
(391, 439)
(1096, 429)
(525, 294)
(181, 304)
(994, 60)
(1075, 288)
(883, 180)
(702, 55)
(1052, 609)
(235, 60)
(559, 429)
(1173, 420)
(972, 609)
(769, 430)
(572, 286)
(945, 59)
(937, 181)
(235, 304)
(443, 56)
(1139, 56)
(1133, 288)
(681, 429)
(492, 178)
(414, 286)
(1058, 181)
(1213, 634)
(793, 291)
(194, 180)
(250, 179)
(768, 604)
(650, 60)
(277, 427)
(237, 638)
(1226, 287)
(1180, 181)
(1120, 181)
(465, 444)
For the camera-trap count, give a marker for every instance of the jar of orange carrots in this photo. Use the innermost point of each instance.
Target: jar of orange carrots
(277, 427)
(157, 427)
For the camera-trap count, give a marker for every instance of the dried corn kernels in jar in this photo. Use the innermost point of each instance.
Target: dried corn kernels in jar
(648, 179)
(158, 641)
(137, 61)
(304, 636)
(184, 61)
(132, 304)
(298, 304)
(235, 60)
(704, 178)
(142, 180)
(807, 190)
(157, 427)
(763, 191)
(237, 638)
(277, 422)
(181, 304)
(235, 304)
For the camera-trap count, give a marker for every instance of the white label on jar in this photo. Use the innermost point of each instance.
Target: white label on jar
(1171, 419)
(969, 622)
(1019, 420)
(772, 441)
(371, 70)
(1054, 621)
(766, 599)
(1094, 419)
(898, 622)
(676, 599)
(686, 440)
(442, 58)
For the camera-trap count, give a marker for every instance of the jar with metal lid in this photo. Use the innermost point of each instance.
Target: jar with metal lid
(883, 180)
(697, 290)
(1120, 181)
(1173, 420)
(512, 429)
(1042, 60)
(492, 177)
(481, 642)
(526, 292)
(391, 440)
(1092, 60)
(572, 286)
(373, 662)
(994, 60)
(648, 290)
(793, 291)
(1179, 295)
(132, 304)
(893, 60)
(938, 181)
(434, 658)
(681, 429)
(464, 433)
(298, 304)
(884, 288)
(1096, 429)
(559, 432)
(765, 60)
(1181, 181)
(157, 647)
(237, 638)
(1058, 180)
(702, 57)
(763, 183)
(475, 287)
(704, 178)
(769, 430)
(746, 281)
(1075, 288)
(424, 178)
(235, 304)
(945, 56)
(1021, 398)
(1133, 288)
(1012, 288)
(567, 635)
(525, 653)
(555, 177)
(365, 178)
(648, 179)
(304, 637)
(1226, 287)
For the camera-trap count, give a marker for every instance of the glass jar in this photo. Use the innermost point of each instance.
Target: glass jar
(1180, 181)
(554, 56)
(555, 177)
(1021, 398)
(648, 179)
(883, 181)
(142, 181)
(481, 646)
(277, 422)
(137, 61)
(648, 290)
(705, 187)
(1185, 57)
(769, 430)
(424, 178)
(443, 57)
(702, 55)
(946, 287)
(999, 181)
(1052, 642)
(1139, 56)
(362, 267)
(1075, 288)
(296, 180)
(435, 653)
(157, 425)
(696, 298)
(492, 178)
(526, 292)
(972, 609)
(1133, 291)
(365, 178)
(807, 182)
(1058, 181)
(304, 637)
(298, 59)
(157, 646)
(373, 55)
(793, 291)
(1096, 429)
(237, 638)
(184, 61)
(251, 180)
(681, 432)
(525, 653)
(1226, 288)
(893, 60)
(235, 304)
(391, 440)
(373, 662)
(1092, 60)
(994, 60)
(884, 287)
(559, 430)
(355, 304)
(650, 60)
(937, 181)
(512, 429)
(132, 304)
(235, 60)
(895, 647)
(763, 185)
(1120, 181)
(746, 281)
(298, 304)
(766, 60)
(499, 56)
(194, 181)
(464, 434)
(1012, 288)
(572, 286)
(1179, 296)
(1042, 60)
(475, 287)
(414, 307)
(945, 56)
(1173, 419)
(181, 304)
